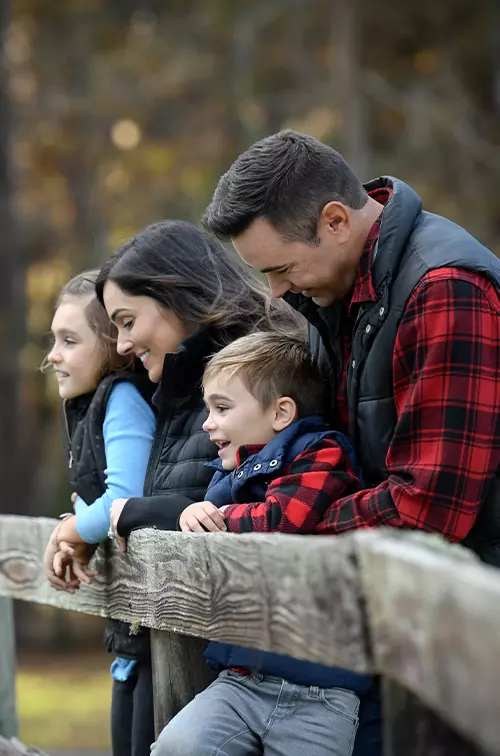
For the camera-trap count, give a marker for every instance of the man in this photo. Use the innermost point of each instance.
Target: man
(403, 308)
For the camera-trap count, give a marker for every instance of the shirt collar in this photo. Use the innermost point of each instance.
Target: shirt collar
(364, 290)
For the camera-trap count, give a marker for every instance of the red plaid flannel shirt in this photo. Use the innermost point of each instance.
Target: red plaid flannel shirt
(297, 500)
(446, 377)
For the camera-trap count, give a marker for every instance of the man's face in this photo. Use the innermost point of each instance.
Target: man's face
(324, 272)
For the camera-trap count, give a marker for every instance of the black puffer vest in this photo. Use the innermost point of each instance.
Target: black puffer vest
(181, 447)
(411, 243)
(83, 420)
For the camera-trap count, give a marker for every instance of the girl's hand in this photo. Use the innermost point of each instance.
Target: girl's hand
(114, 516)
(76, 558)
(200, 517)
(60, 582)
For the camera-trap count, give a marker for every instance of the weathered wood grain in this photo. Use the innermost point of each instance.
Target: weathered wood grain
(8, 718)
(411, 728)
(22, 546)
(179, 673)
(296, 596)
(14, 747)
(434, 616)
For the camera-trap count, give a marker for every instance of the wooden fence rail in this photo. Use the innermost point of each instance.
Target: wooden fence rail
(423, 614)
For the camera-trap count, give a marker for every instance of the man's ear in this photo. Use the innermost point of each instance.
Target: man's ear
(285, 412)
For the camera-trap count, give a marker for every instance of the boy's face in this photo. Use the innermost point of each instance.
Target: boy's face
(236, 418)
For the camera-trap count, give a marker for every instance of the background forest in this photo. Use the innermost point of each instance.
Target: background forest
(115, 113)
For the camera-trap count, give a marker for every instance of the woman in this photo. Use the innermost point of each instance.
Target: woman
(177, 296)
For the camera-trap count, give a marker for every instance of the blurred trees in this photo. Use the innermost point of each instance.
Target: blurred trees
(129, 111)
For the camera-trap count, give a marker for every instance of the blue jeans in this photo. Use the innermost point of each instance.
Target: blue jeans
(246, 715)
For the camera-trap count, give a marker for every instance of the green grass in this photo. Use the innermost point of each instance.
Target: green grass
(64, 704)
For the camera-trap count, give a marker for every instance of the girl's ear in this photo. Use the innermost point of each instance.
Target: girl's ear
(285, 413)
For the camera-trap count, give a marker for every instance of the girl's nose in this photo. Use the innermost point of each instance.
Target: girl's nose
(53, 356)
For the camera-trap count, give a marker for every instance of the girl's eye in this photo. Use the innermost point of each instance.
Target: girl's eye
(221, 409)
(127, 325)
(69, 342)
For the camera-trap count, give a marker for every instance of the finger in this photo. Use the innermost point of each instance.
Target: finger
(66, 548)
(122, 543)
(217, 518)
(61, 585)
(81, 573)
(73, 497)
(59, 564)
(194, 525)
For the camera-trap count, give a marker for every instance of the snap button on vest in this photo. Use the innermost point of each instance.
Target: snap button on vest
(273, 463)
(257, 466)
(368, 328)
(240, 474)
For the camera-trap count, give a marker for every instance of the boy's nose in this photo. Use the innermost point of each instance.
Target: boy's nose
(208, 425)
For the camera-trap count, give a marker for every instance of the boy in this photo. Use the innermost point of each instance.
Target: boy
(279, 468)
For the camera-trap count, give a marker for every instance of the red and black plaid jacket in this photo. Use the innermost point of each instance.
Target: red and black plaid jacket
(298, 499)
(446, 379)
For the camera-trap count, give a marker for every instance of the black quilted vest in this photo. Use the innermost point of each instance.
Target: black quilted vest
(411, 242)
(181, 447)
(83, 420)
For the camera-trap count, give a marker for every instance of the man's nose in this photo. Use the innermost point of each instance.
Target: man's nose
(278, 286)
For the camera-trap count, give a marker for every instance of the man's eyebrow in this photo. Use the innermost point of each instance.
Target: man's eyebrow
(115, 313)
(274, 268)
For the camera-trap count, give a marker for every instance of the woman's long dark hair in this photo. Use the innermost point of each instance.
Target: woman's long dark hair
(192, 274)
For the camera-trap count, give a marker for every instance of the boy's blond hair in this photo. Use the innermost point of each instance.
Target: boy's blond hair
(272, 365)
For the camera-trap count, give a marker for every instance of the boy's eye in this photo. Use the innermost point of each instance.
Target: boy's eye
(221, 409)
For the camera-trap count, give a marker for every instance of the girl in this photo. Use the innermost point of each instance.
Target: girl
(108, 431)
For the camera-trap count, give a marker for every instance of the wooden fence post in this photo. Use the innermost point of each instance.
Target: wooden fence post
(179, 673)
(412, 729)
(8, 718)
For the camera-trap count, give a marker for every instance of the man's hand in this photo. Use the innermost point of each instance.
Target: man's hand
(114, 516)
(202, 516)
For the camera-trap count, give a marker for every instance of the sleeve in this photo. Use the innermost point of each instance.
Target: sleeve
(446, 445)
(296, 501)
(161, 512)
(128, 430)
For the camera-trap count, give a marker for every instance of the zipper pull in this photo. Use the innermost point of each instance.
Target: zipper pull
(70, 463)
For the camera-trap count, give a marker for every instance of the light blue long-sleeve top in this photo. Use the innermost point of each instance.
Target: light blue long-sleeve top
(129, 426)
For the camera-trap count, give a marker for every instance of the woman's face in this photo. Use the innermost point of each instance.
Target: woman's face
(144, 328)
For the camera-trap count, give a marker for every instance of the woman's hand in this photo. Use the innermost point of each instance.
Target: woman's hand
(202, 516)
(114, 516)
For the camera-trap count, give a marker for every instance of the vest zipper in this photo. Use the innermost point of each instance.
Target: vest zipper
(70, 461)
(156, 454)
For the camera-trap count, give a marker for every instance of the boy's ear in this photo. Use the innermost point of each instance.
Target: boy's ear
(285, 413)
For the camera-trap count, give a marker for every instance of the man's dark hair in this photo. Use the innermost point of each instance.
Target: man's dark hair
(287, 179)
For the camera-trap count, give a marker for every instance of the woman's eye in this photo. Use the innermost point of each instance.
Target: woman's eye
(127, 325)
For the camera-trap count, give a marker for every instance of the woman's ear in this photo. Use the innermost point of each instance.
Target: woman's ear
(285, 413)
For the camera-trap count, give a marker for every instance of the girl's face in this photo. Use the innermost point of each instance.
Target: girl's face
(76, 355)
(144, 328)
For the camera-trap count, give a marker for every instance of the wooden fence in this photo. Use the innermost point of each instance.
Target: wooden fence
(422, 614)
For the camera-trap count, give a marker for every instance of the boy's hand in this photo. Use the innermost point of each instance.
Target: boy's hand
(114, 516)
(200, 517)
